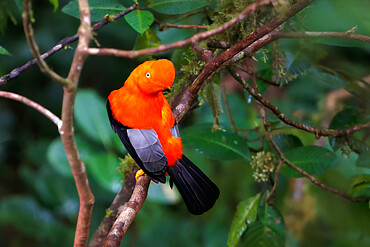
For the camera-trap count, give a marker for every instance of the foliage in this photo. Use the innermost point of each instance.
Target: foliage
(39, 203)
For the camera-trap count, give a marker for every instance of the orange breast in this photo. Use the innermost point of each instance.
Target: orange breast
(136, 110)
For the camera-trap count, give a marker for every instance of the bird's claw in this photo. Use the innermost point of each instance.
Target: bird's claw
(139, 173)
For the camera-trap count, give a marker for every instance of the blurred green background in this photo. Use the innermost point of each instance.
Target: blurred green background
(38, 199)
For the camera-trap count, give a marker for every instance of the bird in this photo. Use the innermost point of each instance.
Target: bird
(141, 116)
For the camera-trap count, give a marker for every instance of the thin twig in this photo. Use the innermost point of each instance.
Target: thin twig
(28, 31)
(282, 117)
(268, 81)
(61, 44)
(128, 213)
(170, 25)
(57, 121)
(207, 55)
(270, 197)
(350, 34)
(228, 111)
(299, 170)
(197, 37)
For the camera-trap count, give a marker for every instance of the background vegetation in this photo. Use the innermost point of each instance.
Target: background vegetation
(319, 82)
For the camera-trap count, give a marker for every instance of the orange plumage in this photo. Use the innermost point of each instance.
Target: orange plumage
(140, 96)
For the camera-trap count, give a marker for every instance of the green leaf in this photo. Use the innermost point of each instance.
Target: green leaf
(246, 213)
(57, 157)
(26, 215)
(267, 231)
(147, 40)
(140, 20)
(219, 145)
(103, 168)
(212, 95)
(3, 51)
(312, 159)
(360, 186)
(176, 7)
(364, 159)
(345, 119)
(287, 142)
(98, 9)
(55, 3)
(91, 116)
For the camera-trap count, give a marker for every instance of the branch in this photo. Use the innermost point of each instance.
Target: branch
(128, 213)
(288, 121)
(197, 37)
(350, 34)
(61, 44)
(270, 197)
(113, 211)
(33, 105)
(28, 31)
(78, 168)
(250, 44)
(162, 26)
(302, 172)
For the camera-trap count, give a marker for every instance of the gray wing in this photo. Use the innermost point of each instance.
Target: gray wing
(149, 149)
(175, 131)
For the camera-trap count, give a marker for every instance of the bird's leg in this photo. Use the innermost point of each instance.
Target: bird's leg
(139, 173)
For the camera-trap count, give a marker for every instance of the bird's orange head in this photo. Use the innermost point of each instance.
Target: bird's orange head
(153, 76)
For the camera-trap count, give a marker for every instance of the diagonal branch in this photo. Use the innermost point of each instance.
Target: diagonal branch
(113, 211)
(282, 117)
(299, 170)
(33, 105)
(197, 37)
(128, 213)
(350, 34)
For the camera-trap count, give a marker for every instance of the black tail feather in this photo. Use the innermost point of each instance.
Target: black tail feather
(197, 190)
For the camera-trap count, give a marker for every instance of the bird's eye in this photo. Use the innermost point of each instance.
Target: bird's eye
(147, 75)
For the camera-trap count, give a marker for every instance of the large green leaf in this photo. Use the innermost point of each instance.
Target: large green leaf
(320, 11)
(287, 142)
(26, 215)
(103, 167)
(246, 214)
(345, 119)
(312, 159)
(91, 116)
(267, 231)
(98, 9)
(140, 20)
(57, 157)
(360, 186)
(219, 145)
(3, 51)
(176, 7)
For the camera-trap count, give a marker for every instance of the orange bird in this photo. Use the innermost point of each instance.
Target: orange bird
(141, 116)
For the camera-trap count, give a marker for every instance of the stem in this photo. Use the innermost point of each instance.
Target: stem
(33, 105)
